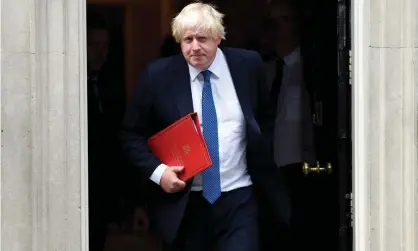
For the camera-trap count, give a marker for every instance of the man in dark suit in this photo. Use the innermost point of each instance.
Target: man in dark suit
(219, 208)
(288, 71)
(100, 149)
(109, 194)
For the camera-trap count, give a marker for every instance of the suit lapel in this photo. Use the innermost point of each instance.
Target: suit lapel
(180, 87)
(241, 83)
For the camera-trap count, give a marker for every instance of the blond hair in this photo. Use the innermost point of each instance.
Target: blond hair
(198, 16)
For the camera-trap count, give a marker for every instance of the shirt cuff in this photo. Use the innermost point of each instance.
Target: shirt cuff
(158, 173)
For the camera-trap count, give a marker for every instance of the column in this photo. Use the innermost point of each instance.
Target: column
(43, 126)
(386, 84)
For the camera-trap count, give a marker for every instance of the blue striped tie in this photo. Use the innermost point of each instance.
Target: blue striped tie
(211, 176)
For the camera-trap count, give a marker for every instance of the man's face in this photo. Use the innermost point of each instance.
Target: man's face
(97, 48)
(284, 19)
(199, 48)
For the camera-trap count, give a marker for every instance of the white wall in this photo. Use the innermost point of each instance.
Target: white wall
(43, 126)
(385, 112)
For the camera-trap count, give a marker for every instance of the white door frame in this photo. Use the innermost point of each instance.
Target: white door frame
(360, 66)
(360, 63)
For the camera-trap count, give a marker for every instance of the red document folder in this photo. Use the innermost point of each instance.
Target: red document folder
(182, 144)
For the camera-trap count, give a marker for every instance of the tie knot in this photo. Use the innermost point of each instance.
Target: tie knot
(206, 75)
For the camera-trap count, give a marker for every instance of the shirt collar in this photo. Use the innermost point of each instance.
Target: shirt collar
(293, 57)
(215, 67)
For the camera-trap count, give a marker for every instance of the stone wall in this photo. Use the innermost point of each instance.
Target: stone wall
(43, 126)
(385, 119)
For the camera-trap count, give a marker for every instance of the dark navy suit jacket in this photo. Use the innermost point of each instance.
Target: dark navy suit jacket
(163, 96)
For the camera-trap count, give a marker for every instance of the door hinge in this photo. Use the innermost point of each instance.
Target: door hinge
(347, 224)
(350, 67)
(350, 214)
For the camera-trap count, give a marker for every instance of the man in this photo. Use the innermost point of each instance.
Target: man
(102, 128)
(291, 97)
(219, 208)
(97, 51)
(106, 105)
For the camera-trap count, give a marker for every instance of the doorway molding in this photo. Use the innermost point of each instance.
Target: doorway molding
(43, 187)
(359, 64)
(385, 85)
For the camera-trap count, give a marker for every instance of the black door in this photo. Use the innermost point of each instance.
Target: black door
(328, 182)
(325, 191)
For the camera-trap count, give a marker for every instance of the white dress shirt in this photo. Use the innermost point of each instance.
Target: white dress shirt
(231, 126)
(293, 133)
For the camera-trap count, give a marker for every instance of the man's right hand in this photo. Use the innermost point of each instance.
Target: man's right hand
(170, 182)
